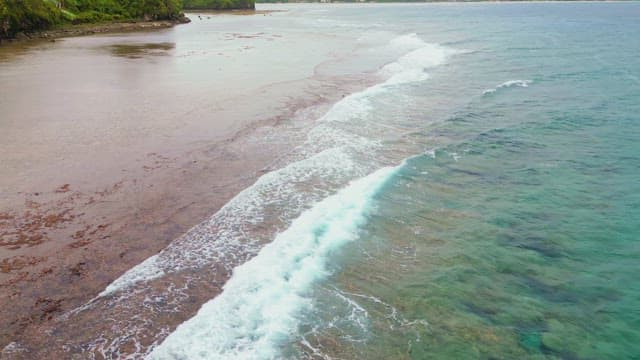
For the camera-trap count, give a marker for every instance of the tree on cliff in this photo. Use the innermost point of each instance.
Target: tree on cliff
(27, 15)
(4, 18)
(35, 15)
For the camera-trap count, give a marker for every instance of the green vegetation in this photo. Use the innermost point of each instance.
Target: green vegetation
(20, 15)
(219, 4)
(36, 15)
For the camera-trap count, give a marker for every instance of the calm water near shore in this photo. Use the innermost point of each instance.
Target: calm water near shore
(475, 197)
(99, 98)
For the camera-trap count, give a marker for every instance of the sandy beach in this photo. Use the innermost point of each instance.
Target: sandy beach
(115, 145)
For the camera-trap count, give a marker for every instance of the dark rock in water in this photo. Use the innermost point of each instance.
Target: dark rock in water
(183, 19)
(46, 307)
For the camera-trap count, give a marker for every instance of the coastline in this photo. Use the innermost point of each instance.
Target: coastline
(69, 230)
(94, 29)
(74, 30)
(123, 26)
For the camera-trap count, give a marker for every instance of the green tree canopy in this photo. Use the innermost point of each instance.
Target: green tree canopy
(36, 15)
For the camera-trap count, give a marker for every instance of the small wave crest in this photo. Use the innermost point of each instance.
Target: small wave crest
(508, 84)
(412, 66)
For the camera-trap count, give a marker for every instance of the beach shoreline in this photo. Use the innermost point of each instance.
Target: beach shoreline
(133, 26)
(64, 241)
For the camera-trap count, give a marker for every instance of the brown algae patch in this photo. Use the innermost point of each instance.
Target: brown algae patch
(17, 263)
(137, 51)
(30, 228)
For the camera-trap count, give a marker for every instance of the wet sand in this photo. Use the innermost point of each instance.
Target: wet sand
(113, 146)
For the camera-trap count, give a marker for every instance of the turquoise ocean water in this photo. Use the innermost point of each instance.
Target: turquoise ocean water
(516, 235)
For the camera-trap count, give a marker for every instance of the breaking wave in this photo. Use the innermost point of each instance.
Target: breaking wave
(258, 307)
(508, 84)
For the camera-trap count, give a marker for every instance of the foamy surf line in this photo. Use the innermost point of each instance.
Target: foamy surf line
(323, 151)
(258, 307)
(508, 84)
(331, 156)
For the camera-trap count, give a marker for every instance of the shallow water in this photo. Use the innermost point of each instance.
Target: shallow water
(97, 101)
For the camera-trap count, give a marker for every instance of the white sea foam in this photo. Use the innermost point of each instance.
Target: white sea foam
(259, 305)
(406, 42)
(245, 209)
(431, 153)
(325, 154)
(408, 68)
(330, 157)
(507, 84)
(412, 66)
(418, 56)
(148, 270)
(348, 317)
